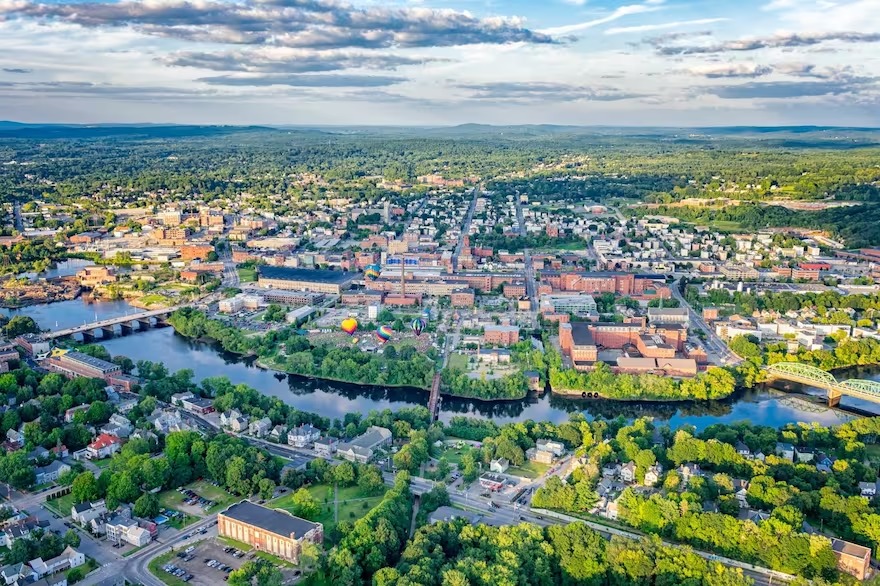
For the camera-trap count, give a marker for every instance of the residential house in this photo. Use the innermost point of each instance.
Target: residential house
(868, 489)
(104, 446)
(499, 465)
(83, 513)
(167, 420)
(239, 424)
(119, 425)
(652, 475)
(66, 560)
(554, 447)
(688, 471)
(785, 450)
(741, 492)
(743, 450)
(362, 448)
(122, 528)
(51, 471)
(260, 427)
(803, 454)
(17, 573)
(325, 447)
(227, 417)
(539, 456)
(759, 456)
(628, 473)
(303, 435)
(277, 432)
(611, 471)
(15, 438)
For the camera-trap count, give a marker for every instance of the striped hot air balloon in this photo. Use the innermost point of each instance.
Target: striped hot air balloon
(349, 326)
(417, 325)
(372, 272)
(384, 333)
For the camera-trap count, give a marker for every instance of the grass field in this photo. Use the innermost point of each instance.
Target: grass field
(452, 454)
(155, 299)
(725, 225)
(354, 503)
(102, 463)
(171, 499)
(246, 275)
(459, 361)
(528, 470)
(62, 505)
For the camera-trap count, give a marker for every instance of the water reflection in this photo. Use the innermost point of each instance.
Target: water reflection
(75, 312)
(334, 400)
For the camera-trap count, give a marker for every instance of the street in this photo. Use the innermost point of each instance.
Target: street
(716, 346)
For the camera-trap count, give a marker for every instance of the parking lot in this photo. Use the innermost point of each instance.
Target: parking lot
(207, 563)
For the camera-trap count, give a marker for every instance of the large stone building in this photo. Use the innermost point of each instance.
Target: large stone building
(270, 530)
(581, 342)
(314, 280)
(645, 285)
(73, 364)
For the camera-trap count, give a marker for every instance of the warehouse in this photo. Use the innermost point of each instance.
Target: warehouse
(313, 280)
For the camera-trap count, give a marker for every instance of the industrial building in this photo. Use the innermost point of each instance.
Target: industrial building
(271, 530)
(313, 280)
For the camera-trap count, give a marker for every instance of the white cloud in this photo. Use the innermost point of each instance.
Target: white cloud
(661, 26)
(620, 12)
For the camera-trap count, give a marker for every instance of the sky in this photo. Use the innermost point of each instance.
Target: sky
(442, 62)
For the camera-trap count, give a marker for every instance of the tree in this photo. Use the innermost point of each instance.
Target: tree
(75, 575)
(304, 504)
(71, 538)
(266, 488)
(344, 474)
(21, 324)
(370, 479)
(146, 506)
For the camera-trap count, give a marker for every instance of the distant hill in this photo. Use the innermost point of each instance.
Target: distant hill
(10, 129)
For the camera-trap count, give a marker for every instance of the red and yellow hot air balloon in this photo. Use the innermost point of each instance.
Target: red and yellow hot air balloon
(384, 333)
(349, 326)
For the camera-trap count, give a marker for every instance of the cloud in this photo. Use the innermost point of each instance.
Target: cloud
(88, 89)
(16, 70)
(305, 80)
(730, 70)
(790, 89)
(784, 40)
(286, 60)
(293, 23)
(661, 26)
(516, 91)
(618, 13)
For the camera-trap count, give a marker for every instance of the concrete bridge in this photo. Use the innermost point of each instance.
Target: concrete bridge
(816, 377)
(126, 324)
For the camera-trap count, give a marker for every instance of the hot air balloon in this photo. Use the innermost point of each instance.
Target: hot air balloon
(349, 326)
(417, 325)
(384, 333)
(372, 272)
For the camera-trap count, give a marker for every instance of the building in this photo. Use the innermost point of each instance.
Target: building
(492, 481)
(668, 315)
(499, 465)
(83, 513)
(501, 335)
(554, 447)
(33, 344)
(91, 277)
(51, 472)
(652, 475)
(314, 280)
(462, 298)
(576, 303)
(73, 364)
(260, 427)
(362, 448)
(325, 447)
(539, 456)
(300, 437)
(198, 405)
(851, 558)
(271, 530)
(124, 529)
(66, 560)
(104, 446)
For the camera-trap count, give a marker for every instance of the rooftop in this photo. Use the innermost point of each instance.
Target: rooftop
(271, 520)
(296, 274)
(102, 365)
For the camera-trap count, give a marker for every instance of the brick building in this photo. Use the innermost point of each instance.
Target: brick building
(271, 530)
(463, 298)
(73, 364)
(195, 251)
(501, 335)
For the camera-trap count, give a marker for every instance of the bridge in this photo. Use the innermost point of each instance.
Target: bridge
(806, 374)
(126, 323)
(434, 399)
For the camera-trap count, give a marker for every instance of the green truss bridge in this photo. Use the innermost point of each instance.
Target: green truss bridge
(816, 377)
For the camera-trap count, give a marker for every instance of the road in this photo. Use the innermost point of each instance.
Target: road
(715, 345)
(230, 273)
(466, 226)
(531, 282)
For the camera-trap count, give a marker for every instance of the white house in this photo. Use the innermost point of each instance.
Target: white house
(51, 471)
(83, 513)
(499, 465)
(260, 427)
(628, 472)
(104, 446)
(868, 489)
(652, 475)
(303, 435)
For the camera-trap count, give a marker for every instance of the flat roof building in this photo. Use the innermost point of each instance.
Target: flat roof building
(314, 280)
(270, 530)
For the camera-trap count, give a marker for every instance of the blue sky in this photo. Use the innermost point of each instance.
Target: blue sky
(637, 62)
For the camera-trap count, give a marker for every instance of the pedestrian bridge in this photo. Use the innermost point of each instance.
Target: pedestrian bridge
(126, 323)
(816, 377)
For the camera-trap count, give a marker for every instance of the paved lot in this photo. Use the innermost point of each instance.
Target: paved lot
(204, 575)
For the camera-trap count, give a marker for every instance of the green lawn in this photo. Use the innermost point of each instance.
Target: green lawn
(725, 225)
(459, 361)
(452, 454)
(155, 299)
(528, 469)
(103, 463)
(354, 503)
(62, 504)
(246, 275)
(171, 499)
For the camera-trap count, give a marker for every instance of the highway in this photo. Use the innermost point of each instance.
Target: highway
(714, 344)
(110, 322)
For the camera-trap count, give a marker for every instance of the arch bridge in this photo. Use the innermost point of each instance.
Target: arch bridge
(810, 375)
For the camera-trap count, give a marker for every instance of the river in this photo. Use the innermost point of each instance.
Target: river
(334, 400)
